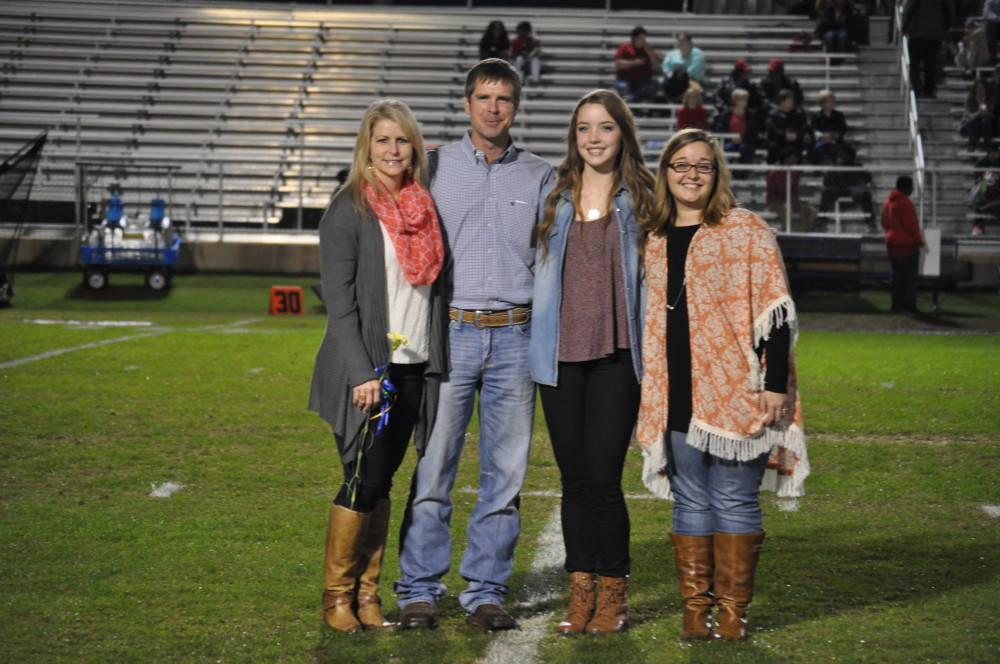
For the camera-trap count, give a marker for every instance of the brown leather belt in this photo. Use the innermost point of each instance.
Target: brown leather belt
(481, 319)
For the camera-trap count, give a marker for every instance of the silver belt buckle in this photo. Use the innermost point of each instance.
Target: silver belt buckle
(477, 320)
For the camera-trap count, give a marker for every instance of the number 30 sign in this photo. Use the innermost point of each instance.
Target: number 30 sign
(286, 300)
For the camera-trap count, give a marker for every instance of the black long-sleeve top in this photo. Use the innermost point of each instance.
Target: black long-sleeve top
(679, 402)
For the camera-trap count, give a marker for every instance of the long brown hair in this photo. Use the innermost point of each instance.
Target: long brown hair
(384, 109)
(630, 169)
(720, 201)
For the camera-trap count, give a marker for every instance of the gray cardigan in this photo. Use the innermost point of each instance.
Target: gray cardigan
(352, 265)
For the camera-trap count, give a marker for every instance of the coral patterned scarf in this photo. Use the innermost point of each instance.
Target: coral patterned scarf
(737, 294)
(414, 228)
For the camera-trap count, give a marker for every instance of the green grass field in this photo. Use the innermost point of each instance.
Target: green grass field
(891, 557)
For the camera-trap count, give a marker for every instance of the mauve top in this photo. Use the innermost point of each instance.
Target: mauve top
(592, 319)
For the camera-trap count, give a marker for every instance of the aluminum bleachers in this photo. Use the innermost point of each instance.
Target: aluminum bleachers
(247, 101)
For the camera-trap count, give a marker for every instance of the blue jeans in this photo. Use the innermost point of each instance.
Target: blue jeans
(494, 363)
(636, 91)
(712, 494)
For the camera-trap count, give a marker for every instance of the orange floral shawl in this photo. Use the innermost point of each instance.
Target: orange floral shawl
(737, 292)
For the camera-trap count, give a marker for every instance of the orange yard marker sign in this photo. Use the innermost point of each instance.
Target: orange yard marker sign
(286, 301)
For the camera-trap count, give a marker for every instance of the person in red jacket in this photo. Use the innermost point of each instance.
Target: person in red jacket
(903, 241)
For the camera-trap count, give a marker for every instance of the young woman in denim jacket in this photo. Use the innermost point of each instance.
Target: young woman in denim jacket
(585, 346)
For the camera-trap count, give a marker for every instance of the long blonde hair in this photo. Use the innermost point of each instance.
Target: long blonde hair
(720, 201)
(400, 113)
(630, 169)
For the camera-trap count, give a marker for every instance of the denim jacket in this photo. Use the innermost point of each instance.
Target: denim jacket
(543, 350)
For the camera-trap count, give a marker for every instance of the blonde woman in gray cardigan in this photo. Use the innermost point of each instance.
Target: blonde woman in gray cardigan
(377, 371)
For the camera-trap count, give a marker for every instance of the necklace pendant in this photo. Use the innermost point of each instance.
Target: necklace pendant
(593, 213)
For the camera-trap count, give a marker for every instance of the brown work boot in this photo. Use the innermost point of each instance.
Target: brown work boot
(735, 563)
(341, 568)
(611, 614)
(491, 617)
(582, 600)
(695, 569)
(371, 554)
(417, 615)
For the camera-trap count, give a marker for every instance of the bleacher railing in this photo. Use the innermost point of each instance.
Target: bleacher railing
(912, 115)
(209, 218)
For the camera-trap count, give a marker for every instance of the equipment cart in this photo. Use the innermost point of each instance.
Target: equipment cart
(156, 262)
(113, 239)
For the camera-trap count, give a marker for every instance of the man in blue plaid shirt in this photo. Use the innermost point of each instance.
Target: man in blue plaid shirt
(487, 192)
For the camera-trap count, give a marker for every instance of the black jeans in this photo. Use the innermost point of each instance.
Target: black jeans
(590, 415)
(381, 462)
(903, 284)
(923, 54)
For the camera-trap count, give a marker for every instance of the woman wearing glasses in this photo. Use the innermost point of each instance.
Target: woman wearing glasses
(584, 348)
(719, 398)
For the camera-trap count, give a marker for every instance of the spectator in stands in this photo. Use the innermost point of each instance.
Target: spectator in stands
(527, 52)
(692, 114)
(854, 184)
(781, 192)
(993, 83)
(634, 64)
(777, 80)
(991, 25)
(709, 420)
(808, 8)
(786, 127)
(739, 77)
(488, 192)
(829, 128)
(740, 121)
(973, 52)
(836, 26)
(683, 68)
(985, 195)
(903, 241)
(495, 43)
(585, 347)
(991, 160)
(926, 23)
(980, 110)
(381, 252)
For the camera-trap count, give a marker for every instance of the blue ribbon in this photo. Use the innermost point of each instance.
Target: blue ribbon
(388, 398)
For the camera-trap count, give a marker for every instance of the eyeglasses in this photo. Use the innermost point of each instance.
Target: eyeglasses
(704, 169)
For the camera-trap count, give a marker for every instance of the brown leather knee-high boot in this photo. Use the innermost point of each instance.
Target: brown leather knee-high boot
(341, 569)
(582, 600)
(372, 553)
(695, 570)
(611, 614)
(735, 563)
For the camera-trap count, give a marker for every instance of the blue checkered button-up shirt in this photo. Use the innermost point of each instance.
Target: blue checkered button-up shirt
(488, 213)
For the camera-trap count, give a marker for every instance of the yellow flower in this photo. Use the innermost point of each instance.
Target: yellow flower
(398, 339)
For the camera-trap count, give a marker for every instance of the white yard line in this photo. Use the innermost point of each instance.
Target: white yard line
(90, 323)
(97, 344)
(535, 615)
(63, 351)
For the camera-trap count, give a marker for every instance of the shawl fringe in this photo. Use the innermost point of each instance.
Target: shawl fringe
(654, 469)
(726, 446)
(780, 312)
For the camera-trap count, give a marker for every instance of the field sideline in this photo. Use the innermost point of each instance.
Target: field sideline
(893, 555)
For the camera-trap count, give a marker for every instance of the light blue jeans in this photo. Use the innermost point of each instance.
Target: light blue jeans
(494, 363)
(711, 494)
